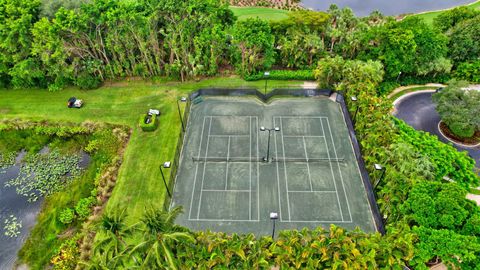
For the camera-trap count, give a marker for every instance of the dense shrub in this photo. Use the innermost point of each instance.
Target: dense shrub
(152, 126)
(301, 75)
(87, 81)
(469, 71)
(83, 207)
(462, 131)
(67, 216)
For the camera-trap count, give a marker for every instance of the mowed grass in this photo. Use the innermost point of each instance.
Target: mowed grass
(429, 16)
(139, 183)
(269, 14)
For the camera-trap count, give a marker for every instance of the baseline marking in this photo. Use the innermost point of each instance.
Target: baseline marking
(339, 170)
(226, 170)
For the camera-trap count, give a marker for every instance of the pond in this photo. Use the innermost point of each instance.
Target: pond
(387, 7)
(26, 212)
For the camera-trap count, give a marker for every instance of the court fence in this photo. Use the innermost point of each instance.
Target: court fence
(294, 92)
(178, 151)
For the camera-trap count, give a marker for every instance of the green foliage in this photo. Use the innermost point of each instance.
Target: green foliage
(253, 46)
(448, 19)
(459, 109)
(67, 255)
(447, 161)
(44, 174)
(67, 216)
(87, 81)
(302, 75)
(12, 226)
(469, 71)
(464, 41)
(16, 19)
(84, 207)
(152, 126)
(455, 250)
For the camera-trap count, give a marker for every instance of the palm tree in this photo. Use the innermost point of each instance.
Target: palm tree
(159, 235)
(113, 233)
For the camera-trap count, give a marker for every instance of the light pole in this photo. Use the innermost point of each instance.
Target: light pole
(398, 77)
(266, 75)
(267, 158)
(273, 217)
(182, 99)
(379, 167)
(165, 165)
(354, 100)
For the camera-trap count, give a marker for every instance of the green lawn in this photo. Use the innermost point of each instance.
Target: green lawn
(270, 14)
(139, 183)
(429, 16)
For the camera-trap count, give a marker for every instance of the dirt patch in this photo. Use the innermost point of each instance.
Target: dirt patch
(473, 141)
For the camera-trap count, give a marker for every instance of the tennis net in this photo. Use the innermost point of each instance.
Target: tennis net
(261, 159)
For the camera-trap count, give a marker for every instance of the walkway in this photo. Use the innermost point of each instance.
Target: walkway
(418, 110)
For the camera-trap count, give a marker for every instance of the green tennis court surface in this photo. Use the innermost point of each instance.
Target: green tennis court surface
(311, 179)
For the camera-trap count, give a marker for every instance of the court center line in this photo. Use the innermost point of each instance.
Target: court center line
(308, 165)
(331, 170)
(278, 173)
(339, 170)
(285, 167)
(226, 165)
(204, 167)
(196, 169)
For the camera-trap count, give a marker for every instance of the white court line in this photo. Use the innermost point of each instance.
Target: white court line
(299, 117)
(331, 170)
(229, 190)
(258, 171)
(314, 191)
(223, 220)
(278, 173)
(228, 136)
(196, 170)
(308, 165)
(204, 168)
(339, 170)
(317, 221)
(226, 170)
(250, 168)
(305, 136)
(285, 167)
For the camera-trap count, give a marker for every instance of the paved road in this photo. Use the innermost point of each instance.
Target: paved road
(418, 110)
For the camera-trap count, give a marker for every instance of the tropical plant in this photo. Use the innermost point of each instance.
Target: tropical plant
(67, 216)
(459, 109)
(160, 234)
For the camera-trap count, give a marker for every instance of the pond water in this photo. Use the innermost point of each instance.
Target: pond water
(387, 7)
(13, 204)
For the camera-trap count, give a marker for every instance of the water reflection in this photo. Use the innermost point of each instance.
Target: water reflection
(13, 204)
(387, 7)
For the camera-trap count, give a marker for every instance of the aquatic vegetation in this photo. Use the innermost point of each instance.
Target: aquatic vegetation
(44, 174)
(12, 226)
(6, 160)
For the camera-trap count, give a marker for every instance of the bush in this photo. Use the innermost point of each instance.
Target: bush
(462, 131)
(387, 87)
(83, 207)
(468, 71)
(87, 81)
(152, 126)
(67, 216)
(302, 75)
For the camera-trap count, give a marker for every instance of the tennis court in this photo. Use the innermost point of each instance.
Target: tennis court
(311, 178)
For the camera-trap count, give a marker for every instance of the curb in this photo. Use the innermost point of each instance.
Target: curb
(400, 99)
(454, 142)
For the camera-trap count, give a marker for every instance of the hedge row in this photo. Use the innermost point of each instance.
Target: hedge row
(302, 75)
(152, 126)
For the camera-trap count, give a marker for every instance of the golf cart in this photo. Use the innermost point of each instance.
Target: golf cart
(73, 102)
